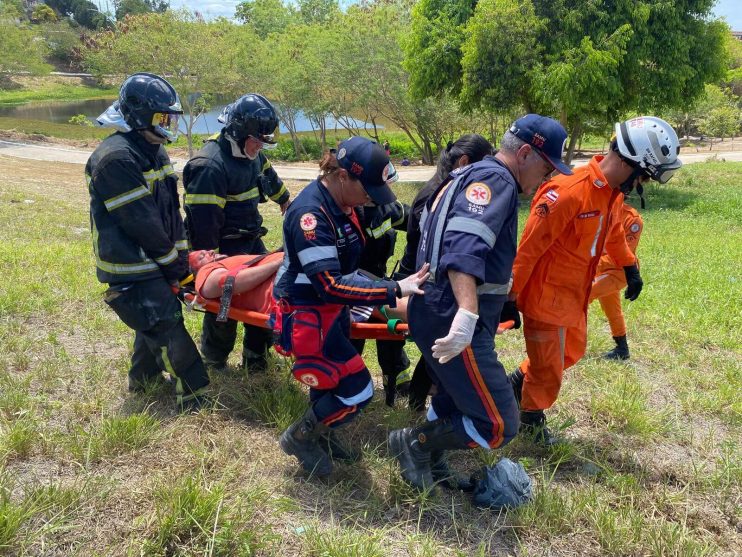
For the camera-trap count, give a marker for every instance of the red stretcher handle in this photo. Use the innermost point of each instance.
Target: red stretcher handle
(374, 331)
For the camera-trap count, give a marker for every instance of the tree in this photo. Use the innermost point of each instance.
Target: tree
(318, 11)
(198, 58)
(578, 60)
(21, 50)
(138, 7)
(83, 12)
(43, 14)
(265, 16)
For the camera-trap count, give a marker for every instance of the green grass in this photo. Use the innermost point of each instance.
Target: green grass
(651, 467)
(51, 129)
(56, 92)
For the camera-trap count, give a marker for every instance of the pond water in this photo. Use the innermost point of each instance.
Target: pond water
(61, 112)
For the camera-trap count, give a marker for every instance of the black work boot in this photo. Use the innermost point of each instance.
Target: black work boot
(331, 444)
(302, 440)
(533, 424)
(516, 380)
(444, 476)
(620, 352)
(412, 447)
(254, 363)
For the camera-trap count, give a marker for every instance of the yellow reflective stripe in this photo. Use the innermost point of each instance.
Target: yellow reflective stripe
(266, 165)
(126, 197)
(171, 370)
(168, 258)
(401, 214)
(150, 176)
(88, 179)
(181, 244)
(244, 196)
(379, 231)
(277, 196)
(204, 199)
(120, 268)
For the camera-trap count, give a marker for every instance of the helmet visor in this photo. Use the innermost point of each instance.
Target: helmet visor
(166, 125)
(664, 172)
(266, 141)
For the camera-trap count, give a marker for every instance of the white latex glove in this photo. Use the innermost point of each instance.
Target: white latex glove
(411, 284)
(458, 338)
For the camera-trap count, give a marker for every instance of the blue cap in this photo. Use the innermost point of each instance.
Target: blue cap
(546, 135)
(367, 162)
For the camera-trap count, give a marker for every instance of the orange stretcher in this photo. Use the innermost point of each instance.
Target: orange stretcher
(375, 331)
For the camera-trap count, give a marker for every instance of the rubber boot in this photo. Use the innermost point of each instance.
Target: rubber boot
(331, 444)
(620, 352)
(444, 476)
(412, 447)
(533, 424)
(516, 380)
(302, 440)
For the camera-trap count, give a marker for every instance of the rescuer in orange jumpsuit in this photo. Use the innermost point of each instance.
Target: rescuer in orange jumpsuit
(610, 280)
(572, 220)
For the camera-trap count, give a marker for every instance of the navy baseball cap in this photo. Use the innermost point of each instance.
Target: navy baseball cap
(367, 162)
(546, 135)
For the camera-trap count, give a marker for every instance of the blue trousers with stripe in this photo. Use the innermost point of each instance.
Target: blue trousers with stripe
(473, 388)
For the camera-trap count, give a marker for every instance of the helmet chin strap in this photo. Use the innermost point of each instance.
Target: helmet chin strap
(628, 185)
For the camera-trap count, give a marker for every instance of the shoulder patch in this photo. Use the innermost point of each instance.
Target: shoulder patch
(542, 210)
(598, 183)
(635, 227)
(551, 195)
(478, 193)
(308, 222)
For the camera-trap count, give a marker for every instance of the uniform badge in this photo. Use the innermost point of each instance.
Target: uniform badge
(552, 196)
(542, 210)
(479, 194)
(308, 222)
(634, 227)
(588, 215)
(309, 379)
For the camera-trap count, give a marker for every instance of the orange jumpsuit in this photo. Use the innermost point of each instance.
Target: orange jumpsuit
(573, 218)
(610, 278)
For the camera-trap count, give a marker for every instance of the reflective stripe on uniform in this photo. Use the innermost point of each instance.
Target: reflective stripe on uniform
(182, 244)
(401, 214)
(597, 235)
(150, 176)
(244, 196)
(316, 253)
(380, 230)
(204, 199)
(266, 165)
(277, 196)
(493, 288)
(168, 258)
(126, 197)
(445, 204)
(475, 227)
(120, 268)
(363, 396)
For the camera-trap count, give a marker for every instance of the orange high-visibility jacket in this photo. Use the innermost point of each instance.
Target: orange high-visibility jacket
(572, 219)
(633, 225)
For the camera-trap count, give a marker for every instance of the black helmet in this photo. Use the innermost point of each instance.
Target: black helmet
(142, 96)
(250, 115)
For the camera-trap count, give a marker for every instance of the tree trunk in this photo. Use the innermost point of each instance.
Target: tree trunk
(574, 135)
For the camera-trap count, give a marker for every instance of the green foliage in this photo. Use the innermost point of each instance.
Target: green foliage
(62, 39)
(43, 14)
(265, 16)
(196, 72)
(318, 11)
(84, 12)
(138, 7)
(21, 49)
(80, 120)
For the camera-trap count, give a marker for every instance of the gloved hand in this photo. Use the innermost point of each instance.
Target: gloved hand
(510, 312)
(458, 338)
(411, 284)
(634, 282)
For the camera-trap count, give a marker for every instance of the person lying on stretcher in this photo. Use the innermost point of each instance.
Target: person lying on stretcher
(253, 283)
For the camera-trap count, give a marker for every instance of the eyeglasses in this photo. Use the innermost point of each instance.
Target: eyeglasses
(544, 158)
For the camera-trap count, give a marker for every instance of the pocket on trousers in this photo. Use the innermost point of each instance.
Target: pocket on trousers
(128, 306)
(306, 332)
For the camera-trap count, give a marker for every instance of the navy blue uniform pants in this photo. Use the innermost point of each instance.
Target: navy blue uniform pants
(473, 388)
(161, 341)
(339, 405)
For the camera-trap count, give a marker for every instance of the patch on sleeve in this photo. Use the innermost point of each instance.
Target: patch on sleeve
(635, 227)
(551, 195)
(478, 193)
(308, 223)
(542, 210)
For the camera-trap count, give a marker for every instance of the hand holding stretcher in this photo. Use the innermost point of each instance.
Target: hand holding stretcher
(376, 331)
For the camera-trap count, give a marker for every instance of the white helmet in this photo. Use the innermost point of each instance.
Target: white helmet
(651, 144)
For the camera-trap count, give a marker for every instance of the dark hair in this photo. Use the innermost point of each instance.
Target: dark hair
(329, 163)
(473, 145)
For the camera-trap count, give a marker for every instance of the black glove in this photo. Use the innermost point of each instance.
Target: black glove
(634, 282)
(510, 313)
